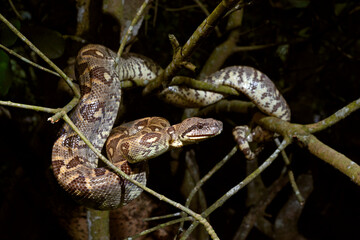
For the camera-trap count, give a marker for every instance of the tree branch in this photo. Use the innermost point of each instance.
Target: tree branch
(302, 133)
(46, 59)
(238, 187)
(109, 164)
(183, 54)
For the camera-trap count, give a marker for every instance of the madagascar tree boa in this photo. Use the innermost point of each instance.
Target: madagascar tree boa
(129, 146)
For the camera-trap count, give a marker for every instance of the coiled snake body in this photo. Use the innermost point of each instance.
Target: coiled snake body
(75, 166)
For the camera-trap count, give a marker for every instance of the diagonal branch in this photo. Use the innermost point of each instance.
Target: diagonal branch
(109, 164)
(183, 53)
(138, 15)
(238, 187)
(28, 61)
(303, 134)
(46, 59)
(62, 113)
(334, 118)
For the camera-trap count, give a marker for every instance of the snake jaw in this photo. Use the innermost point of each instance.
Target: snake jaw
(195, 129)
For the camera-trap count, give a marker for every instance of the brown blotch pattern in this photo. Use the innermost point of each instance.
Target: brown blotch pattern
(125, 148)
(74, 162)
(93, 53)
(149, 139)
(141, 124)
(87, 111)
(99, 171)
(78, 184)
(56, 165)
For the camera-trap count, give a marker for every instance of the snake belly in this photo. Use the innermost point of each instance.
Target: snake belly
(74, 163)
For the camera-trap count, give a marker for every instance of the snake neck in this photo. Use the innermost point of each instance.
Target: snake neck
(136, 67)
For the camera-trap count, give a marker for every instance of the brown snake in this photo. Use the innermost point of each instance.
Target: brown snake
(75, 166)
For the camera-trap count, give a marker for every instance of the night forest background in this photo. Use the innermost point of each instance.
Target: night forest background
(310, 49)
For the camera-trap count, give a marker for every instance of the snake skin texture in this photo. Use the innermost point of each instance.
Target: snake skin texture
(246, 80)
(75, 166)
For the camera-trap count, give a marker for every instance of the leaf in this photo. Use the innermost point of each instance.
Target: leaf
(7, 37)
(50, 42)
(339, 7)
(5, 73)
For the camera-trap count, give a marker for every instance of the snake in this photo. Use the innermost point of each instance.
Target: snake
(75, 165)
(246, 80)
(130, 145)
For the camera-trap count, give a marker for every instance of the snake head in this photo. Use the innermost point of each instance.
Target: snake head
(193, 130)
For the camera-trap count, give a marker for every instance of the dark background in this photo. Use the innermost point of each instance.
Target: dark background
(315, 64)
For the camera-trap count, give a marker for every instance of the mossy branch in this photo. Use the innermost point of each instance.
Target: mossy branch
(303, 134)
(334, 118)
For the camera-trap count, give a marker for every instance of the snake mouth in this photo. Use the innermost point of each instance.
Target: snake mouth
(196, 137)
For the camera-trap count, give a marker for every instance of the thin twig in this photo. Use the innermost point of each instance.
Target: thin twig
(67, 108)
(60, 111)
(334, 118)
(196, 216)
(63, 113)
(253, 47)
(192, 43)
(236, 188)
(163, 217)
(31, 107)
(130, 29)
(28, 61)
(291, 174)
(46, 59)
(147, 231)
(15, 10)
(315, 146)
(207, 176)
